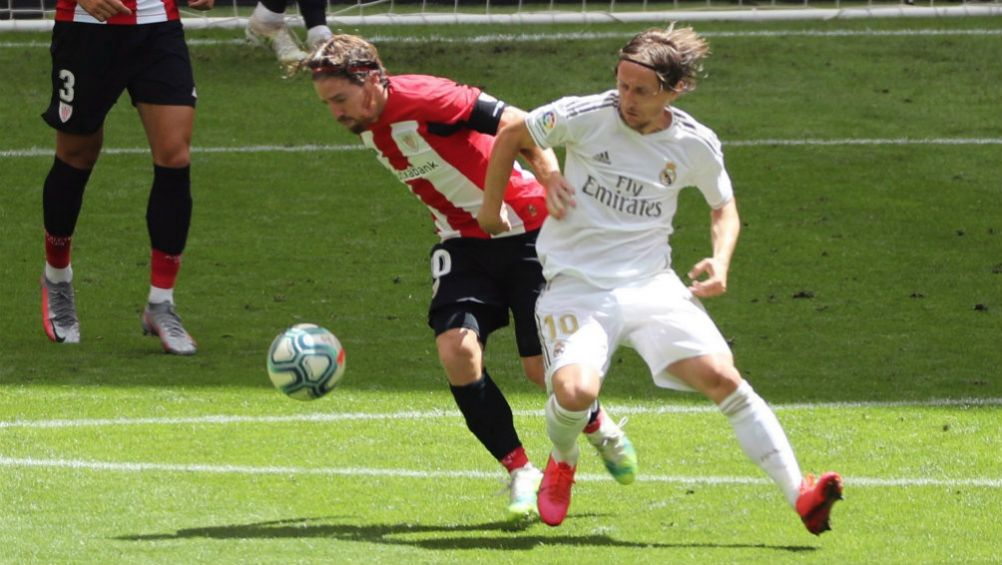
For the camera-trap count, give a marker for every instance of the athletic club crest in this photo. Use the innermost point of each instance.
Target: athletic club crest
(65, 111)
(669, 174)
(410, 141)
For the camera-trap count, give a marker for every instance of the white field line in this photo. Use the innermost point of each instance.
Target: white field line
(415, 474)
(223, 419)
(309, 148)
(135, 467)
(590, 36)
(314, 148)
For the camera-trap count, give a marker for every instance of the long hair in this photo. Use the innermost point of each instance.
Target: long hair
(675, 55)
(345, 56)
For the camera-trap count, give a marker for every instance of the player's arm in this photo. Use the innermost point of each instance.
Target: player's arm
(201, 4)
(489, 115)
(543, 162)
(510, 141)
(709, 276)
(104, 9)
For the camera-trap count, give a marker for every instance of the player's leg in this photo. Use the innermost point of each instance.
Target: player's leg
(466, 308)
(523, 281)
(684, 349)
(164, 98)
(168, 219)
(86, 82)
(755, 425)
(486, 411)
(612, 445)
(761, 436)
(578, 334)
(62, 199)
(314, 14)
(266, 26)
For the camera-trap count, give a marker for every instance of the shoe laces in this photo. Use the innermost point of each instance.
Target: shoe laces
(61, 302)
(167, 321)
(520, 482)
(561, 486)
(612, 441)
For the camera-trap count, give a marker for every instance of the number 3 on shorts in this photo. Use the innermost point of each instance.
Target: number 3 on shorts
(66, 92)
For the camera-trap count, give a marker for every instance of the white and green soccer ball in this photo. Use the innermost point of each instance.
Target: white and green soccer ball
(305, 361)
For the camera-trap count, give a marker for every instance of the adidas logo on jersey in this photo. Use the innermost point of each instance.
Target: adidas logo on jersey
(602, 157)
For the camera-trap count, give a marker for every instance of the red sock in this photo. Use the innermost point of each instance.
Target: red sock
(163, 269)
(516, 459)
(57, 250)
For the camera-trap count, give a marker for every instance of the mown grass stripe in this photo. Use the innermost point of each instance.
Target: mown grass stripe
(315, 148)
(140, 467)
(424, 414)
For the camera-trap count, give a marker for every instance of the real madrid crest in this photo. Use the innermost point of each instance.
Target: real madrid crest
(669, 174)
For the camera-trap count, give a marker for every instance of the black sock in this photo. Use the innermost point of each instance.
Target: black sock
(168, 212)
(277, 6)
(62, 198)
(488, 415)
(314, 13)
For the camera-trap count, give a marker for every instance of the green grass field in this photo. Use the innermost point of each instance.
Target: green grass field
(865, 305)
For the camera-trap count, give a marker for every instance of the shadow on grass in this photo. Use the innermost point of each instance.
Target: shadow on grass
(396, 534)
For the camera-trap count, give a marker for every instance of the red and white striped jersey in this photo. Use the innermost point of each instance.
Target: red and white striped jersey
(143, 12)
(445, 166)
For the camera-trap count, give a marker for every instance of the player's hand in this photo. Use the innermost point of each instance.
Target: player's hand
(104, 9)
(709, 278)
(493, 223)
(201, 4)
(559, 195)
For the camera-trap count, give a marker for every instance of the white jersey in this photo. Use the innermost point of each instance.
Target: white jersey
(627, 187)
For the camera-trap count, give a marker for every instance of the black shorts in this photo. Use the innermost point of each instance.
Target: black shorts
(92, 64)
(477, 282)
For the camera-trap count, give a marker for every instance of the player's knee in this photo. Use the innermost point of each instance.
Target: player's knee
(575, 389)
(712, 375)
(79, 152)
(459, 352)
(175, 159)
(722, 382)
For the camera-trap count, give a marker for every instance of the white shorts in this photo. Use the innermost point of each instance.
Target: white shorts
(658, 317)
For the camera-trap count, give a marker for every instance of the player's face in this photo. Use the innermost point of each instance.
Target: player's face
(642, 101)
(355, 106)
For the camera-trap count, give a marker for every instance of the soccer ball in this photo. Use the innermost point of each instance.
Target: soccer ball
(305, 361)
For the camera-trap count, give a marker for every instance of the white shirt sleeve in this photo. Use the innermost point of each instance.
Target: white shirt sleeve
(549, 125)
(712, 178)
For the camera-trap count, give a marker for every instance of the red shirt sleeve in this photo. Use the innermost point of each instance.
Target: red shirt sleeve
(434, 99)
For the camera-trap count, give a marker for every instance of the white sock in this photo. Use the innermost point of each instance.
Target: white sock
(762, 439)
(564, 426)
(161, 295)
(266, 16)
(58, 275)
(317, 35)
